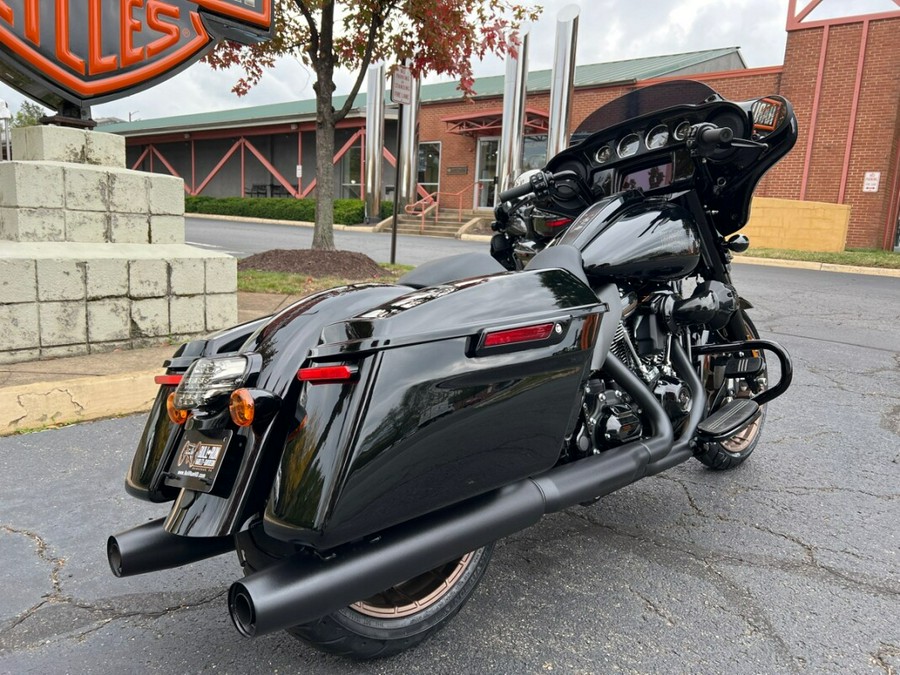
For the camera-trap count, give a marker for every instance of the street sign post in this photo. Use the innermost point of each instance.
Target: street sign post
(401, 93)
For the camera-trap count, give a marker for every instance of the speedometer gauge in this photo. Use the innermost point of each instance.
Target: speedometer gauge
(628, 145)
(681, 131)
(657, 137)
(603, 154)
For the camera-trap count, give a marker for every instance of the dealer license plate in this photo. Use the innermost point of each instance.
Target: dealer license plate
(199, 459)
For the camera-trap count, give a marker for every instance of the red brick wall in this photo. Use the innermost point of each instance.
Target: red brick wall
(875, 139)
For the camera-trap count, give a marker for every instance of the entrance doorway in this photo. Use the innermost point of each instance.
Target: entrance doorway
(486, 172)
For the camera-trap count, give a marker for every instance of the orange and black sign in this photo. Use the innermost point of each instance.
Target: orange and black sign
(90, 51)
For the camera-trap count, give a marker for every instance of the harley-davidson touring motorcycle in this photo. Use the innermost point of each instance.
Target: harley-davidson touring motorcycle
(364, 448)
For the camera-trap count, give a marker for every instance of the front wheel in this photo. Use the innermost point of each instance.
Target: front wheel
(389, 622)
(730, 452)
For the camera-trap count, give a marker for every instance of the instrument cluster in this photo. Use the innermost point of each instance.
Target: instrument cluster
(649, 151)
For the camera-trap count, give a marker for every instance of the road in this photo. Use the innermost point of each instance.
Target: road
(243, 239)
(789, 564)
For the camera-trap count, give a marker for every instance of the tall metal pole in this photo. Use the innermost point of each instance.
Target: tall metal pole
(409, 147)
(562, 83)
(396, 187)
(374, 141)
(512, 136)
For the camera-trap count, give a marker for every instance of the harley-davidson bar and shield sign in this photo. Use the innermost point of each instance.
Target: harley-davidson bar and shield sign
(90, 51)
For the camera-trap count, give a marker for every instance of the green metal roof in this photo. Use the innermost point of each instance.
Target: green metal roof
(590, 75)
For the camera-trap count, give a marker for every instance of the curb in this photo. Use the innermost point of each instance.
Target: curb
(273, 221)
(35, 406)
(819, 267)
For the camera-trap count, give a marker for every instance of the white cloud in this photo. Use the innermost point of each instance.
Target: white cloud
(609, 30)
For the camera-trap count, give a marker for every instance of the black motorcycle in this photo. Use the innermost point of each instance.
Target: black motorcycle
(363, 449)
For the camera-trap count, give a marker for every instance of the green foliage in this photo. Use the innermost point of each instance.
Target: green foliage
(29, 115)
(346, 211)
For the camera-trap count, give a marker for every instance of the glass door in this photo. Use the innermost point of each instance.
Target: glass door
(486, 172)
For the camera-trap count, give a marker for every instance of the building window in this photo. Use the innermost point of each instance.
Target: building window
(351, 187)
(429, 166)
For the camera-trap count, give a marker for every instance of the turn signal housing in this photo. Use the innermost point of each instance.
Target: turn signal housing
(177, 415)
(242, 407)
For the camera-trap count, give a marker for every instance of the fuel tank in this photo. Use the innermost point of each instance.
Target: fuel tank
(646, 239)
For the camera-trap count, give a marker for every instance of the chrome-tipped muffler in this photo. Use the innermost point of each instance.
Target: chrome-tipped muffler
(149, 548)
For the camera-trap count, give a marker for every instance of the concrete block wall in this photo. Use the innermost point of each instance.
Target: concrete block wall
(92, 255)
(802, 226)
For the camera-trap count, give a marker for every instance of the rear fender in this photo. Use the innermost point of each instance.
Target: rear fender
(160, 437)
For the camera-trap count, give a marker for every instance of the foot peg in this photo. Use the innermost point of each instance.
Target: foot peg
(728, 420)
(747, 366)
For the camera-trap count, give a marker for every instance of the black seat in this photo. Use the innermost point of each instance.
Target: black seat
(564, 257)
(463, 266)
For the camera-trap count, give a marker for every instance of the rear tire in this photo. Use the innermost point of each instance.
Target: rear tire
(734, 450)
(390, 622)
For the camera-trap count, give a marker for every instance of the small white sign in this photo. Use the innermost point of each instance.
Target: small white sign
(299, 171)
(401, 85)
(871, 181)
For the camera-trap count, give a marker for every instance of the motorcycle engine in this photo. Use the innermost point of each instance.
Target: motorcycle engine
(643, 343)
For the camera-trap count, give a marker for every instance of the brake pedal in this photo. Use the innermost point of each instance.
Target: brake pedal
(728, 420)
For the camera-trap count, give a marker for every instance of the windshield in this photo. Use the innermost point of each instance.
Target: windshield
(642, 101)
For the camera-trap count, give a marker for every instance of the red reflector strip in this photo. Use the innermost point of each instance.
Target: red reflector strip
(517, 335)
(326, 374)
(559, 222)
(171, 380)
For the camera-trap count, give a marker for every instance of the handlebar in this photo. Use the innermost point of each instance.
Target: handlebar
(711, 135)
(516, 192)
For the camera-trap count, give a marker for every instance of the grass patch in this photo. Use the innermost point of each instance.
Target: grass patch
(859, 256)
(253, 281)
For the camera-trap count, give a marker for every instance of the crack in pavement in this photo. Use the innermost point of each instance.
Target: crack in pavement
(740, 602)
(60, 616)
(39, 623)
(874, 587)
(803, 491)
(652, 606)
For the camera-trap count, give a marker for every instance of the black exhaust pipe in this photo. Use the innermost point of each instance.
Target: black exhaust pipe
(303, 587)
(149, 548)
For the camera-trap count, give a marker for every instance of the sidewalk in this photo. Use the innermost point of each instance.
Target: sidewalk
(38, 394)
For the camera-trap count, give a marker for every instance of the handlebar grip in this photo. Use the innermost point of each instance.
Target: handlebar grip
(516, 192)
(716, 135)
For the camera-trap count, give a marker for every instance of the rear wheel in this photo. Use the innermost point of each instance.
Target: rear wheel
(389, 622)
(732, 451)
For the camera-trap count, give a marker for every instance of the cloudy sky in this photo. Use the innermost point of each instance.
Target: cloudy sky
(609, 30)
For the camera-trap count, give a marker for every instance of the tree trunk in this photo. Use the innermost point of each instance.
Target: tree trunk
(323, 234)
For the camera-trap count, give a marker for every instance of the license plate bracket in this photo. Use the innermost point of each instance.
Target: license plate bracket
(199, 459)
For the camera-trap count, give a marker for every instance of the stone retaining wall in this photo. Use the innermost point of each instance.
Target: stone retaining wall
(92, 255)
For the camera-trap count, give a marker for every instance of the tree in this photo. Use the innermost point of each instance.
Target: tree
(435, 36)
(29, 115)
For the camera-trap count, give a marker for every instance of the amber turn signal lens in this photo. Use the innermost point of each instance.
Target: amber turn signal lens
(242, 407)
(177, 415)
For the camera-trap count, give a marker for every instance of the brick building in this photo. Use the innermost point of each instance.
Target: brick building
(841, 74)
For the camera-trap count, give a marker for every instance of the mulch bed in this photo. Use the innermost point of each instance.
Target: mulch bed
(343, 264)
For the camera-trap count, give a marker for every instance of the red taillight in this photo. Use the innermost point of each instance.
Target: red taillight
(516, 335)
(558, 222)
(327, 374)
(171, 380)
